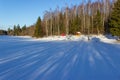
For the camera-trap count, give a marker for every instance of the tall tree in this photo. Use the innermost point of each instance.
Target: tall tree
(83, 7)
(58, 21)
(9, 30)
(24, 28)
(23, 32)
(88, 17)
(98, 22)
(15, 30)
(51, 22)
(67, 20)
(115, 20)
(46, 19)
(18, 29)
(38, 28)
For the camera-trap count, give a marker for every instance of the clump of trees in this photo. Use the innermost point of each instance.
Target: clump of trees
(17, 30)
(98, 17)
(21, 31)
(87, 18)
(3, 32)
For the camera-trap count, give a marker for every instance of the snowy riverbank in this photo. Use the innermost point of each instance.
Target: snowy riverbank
(107, 39)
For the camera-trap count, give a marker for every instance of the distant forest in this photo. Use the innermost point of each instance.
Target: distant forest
(3, 32)
(86, 18)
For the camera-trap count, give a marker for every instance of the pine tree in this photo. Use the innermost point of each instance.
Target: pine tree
(15, 30)
(114, 21)
(38, 29)
(9, 30)
(18, 29)
(24, 28)
(98, 22)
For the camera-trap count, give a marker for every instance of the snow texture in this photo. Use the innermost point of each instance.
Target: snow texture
(59, 58)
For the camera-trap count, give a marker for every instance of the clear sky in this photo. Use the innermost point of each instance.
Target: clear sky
(13, 12)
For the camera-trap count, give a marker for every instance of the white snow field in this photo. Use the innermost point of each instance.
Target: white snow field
(59, 58)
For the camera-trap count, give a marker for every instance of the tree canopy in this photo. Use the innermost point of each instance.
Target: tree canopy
(115, 20)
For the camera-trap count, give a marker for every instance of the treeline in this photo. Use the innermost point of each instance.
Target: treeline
(87, 18)
(21, 31)
(3, 32)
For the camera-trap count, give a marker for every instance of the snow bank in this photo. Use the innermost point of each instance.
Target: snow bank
(61, 38)
(105, 39)
(77, 38)
(23, 36)
(102, 38)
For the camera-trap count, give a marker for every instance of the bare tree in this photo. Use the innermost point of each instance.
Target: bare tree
(88, 17)
(67, 20)
(83, 10)
(51, 22)
(58, 19)
(92, 17)
(46, 18)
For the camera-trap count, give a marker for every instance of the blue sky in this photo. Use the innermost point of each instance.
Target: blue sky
(27, 11)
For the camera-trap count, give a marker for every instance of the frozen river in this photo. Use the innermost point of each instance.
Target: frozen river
(24, 59)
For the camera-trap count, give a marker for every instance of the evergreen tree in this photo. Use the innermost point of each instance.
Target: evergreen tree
(38, 28)
(98, 21)
(15, 30)
(24, 28)
(74, 25)
(62, 27)
(114, 21)
(18, 29)
(9, 30)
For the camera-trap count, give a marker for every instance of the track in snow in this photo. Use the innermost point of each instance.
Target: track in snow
(58, 60)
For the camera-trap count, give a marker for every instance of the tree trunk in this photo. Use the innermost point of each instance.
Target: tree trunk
(46, 28)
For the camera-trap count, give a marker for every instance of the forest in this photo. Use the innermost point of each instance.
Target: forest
(88, 18)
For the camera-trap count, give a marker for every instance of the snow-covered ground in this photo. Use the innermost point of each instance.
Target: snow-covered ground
(59, 58)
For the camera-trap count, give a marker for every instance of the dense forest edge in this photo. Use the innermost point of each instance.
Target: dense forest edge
(3, 32)
(99, 17)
